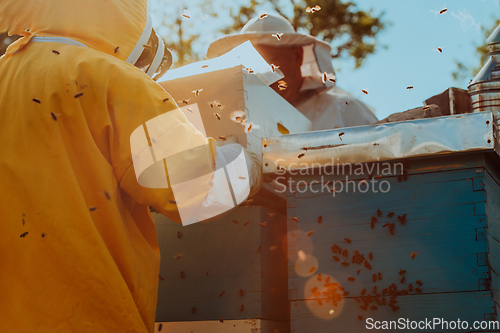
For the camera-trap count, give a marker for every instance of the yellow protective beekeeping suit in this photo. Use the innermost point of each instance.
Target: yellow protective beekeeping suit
(78, 247)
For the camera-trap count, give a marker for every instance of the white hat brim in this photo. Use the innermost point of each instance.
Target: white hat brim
(227, 43)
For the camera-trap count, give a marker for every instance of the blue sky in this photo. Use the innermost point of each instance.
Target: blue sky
(411, 57)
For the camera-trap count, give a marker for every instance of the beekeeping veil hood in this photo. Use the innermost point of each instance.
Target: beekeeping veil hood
(316, 56)
(121, 28)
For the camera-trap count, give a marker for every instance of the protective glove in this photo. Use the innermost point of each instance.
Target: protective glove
(231, 150)
(254, 166)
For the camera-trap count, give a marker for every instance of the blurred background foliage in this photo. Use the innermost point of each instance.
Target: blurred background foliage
(188, 27)
(482, 51)
(350, 31)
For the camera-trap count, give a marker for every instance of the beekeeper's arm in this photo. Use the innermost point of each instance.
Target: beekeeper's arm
(156, 153)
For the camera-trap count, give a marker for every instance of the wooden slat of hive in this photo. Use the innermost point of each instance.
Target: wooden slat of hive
(445, 225)
(230, 253)
(492, 189)
(309, 316)
(226, 326)
(443, 235)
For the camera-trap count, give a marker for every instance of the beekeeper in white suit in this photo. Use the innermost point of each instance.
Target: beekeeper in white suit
(307, 65)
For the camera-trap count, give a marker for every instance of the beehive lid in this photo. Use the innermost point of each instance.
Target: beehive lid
(373, 143)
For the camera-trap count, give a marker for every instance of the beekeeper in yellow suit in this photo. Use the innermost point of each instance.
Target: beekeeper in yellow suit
(80, 121)
(304, 60)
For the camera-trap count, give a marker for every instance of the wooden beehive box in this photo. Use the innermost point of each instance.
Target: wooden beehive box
(446, 215)
(232, 269)
(236, 90)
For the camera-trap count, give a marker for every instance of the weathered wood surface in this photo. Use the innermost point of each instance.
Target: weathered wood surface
(452, 207)
(492, 189)
(309, 316)
(219, 260)
(445, 226)
(458, 103)
(420, 112)
(226, 326)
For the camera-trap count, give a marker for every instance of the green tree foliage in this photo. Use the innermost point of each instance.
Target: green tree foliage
(349, 30)
(181, 24)
(463, 71)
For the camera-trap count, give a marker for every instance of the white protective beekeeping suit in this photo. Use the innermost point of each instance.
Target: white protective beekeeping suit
(326, 105)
